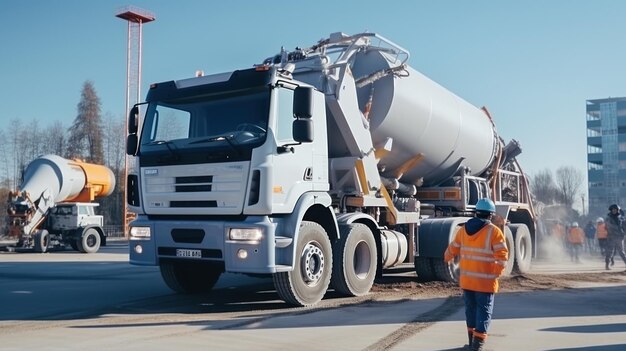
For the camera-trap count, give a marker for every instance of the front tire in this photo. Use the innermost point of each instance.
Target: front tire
(89, 241)
(354, 274)
(307, 283)
(189, 277)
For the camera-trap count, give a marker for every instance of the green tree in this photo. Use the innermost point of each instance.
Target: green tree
(85, 133)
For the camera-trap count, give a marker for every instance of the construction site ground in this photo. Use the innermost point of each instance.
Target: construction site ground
(70, 301)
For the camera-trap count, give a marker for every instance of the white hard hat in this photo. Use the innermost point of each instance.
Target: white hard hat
(574, 224)
(600, 220)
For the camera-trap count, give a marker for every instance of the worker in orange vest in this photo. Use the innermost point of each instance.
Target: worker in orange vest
(558, 232)
(601, 234)
(575, 240)
(483, 257)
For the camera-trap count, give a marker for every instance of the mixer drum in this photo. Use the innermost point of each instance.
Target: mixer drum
(423, 117)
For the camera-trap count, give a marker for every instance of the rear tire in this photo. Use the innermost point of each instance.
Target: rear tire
(523, 248)
(424, 269)
(510, 244)
(41, 241)
(307, 283)
(447, 272)
(189, 277)
(354, 273)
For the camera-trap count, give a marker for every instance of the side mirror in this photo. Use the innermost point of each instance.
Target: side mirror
(302, 130)
(133, 120)
(303, 102)
(132, 142)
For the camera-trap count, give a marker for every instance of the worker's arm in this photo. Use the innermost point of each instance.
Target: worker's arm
(500, 250)
(454, 248)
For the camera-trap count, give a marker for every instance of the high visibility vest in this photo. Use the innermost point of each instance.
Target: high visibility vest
(483, 258)
(576, 236)
(601, 232)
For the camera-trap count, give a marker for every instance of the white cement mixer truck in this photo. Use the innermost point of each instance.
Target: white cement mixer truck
(53, 206)
(321, 167)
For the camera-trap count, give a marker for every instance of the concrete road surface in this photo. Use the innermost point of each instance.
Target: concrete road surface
(72, 301)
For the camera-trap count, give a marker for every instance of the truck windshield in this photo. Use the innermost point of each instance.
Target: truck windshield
(234, 120)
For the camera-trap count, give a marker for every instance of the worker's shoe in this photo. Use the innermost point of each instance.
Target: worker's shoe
(477, 344)
(612, 262)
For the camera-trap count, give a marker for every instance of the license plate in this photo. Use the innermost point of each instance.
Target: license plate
(188, 253)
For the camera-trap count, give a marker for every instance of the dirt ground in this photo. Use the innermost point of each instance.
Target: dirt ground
(512, 283)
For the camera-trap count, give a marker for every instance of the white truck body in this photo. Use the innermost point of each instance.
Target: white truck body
(321, 160)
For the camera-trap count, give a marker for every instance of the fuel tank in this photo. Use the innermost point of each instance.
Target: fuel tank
(423, 118)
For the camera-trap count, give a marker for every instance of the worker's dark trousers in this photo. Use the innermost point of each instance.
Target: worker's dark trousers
(478, 308)
(615, 245)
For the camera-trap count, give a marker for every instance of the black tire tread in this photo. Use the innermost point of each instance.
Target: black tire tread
(339, 280)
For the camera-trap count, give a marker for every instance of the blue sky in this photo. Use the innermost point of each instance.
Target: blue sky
(532, 63)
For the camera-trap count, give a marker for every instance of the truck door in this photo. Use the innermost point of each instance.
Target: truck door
(298, 168)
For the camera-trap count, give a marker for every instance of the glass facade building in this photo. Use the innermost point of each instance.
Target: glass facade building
(606, 153)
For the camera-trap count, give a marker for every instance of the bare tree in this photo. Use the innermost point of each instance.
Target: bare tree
(85, 140)
(54, 139)
(568, 181)
(4, 158)
(18, 159)
(114, 153)
(543, 187)
(31, 142)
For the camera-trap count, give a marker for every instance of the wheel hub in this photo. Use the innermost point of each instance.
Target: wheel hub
(312, 263)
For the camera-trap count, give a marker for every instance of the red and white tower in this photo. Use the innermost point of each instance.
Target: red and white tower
(135, 17)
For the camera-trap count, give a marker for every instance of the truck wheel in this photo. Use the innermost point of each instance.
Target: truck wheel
(41, 241)
(307, 283)
(189, 277)
(523, 248)
(447, 272)
(354, 273)
(510, 243)
(424, 269)
(89, 242)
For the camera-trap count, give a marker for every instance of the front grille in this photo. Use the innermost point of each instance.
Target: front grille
(194, 179)
(192, 188)
(190, 236)
(194, 183)
(211, 203)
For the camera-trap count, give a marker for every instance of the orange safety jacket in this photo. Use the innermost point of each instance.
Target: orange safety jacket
(483, 258)
(576, 236)
(559, 231)
(601, 232)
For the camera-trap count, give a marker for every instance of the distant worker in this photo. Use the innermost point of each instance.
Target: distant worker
(575, 240)
(590, 237)
(601, 235)
(615, 239)
(558, 233)
(483, 254)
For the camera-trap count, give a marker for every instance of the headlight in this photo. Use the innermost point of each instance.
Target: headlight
(245, 234)
(138, 233)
